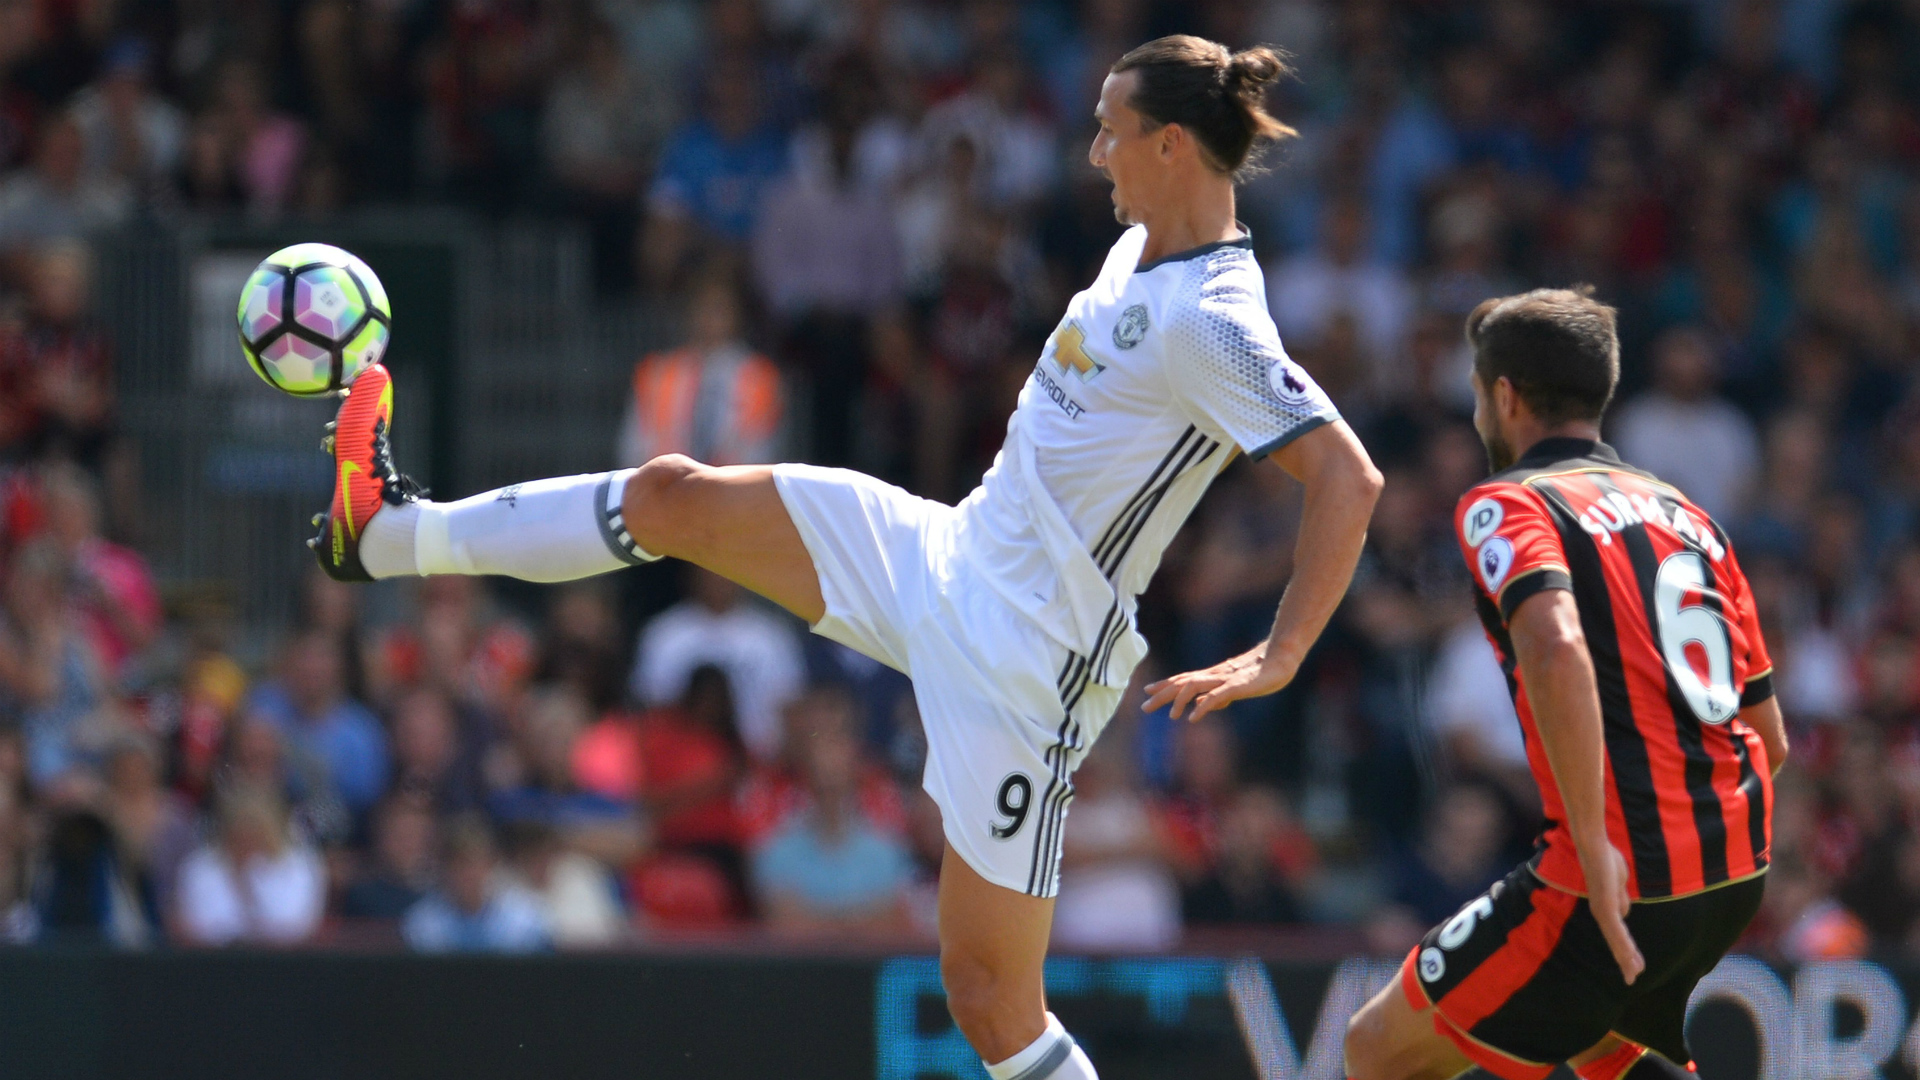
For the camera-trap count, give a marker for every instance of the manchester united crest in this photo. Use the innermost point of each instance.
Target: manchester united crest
(1132, 327)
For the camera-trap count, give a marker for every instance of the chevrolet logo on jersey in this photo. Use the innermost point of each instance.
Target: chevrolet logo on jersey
(1069, 347)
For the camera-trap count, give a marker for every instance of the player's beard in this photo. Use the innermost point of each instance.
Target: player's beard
(1500, 455)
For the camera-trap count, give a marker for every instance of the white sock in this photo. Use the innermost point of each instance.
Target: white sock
(1052, 1056)
(546, 530)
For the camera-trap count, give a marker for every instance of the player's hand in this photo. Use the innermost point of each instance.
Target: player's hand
(1607, 899)
(1251, 674)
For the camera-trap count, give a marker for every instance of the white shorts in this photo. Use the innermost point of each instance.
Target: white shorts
(1009, 713)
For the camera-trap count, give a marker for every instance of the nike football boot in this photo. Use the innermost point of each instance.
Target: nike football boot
(364, 479)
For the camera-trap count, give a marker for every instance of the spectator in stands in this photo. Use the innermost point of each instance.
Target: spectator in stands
(977, 342)
(713, 175)
(1116, 890)
(541, 788)
(256, 756)
(684, 763)
(1685, 434)
(112, 587)
(459, 643)
(242, 152)
(56, 368)
(601, 126)
(1405, 594)
(308, 705)
(438, 752)
(830, 869)
(128, 130)
(1472, 711)
(58, 198)
(774, 792)
(88, 891)
(48, 670)
(254, 882)
(19, 922)
(825, 258)
(1459, 855)
(997, 115)
(1206, 761)
(211, 686)
(154, 826)
(582, 650)
(333, 607)
(713, 399)
(576, 891)
(1230, 580)
(477, 908)
(1338, 274)
(404, 842)
(719, 625)
(1261, 866)
(1796, 470)
(691, 760)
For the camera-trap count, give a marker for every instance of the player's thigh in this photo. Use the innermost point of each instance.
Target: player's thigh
(727, 519)
(993, 951)
(1683, 940)
(1388, 1039)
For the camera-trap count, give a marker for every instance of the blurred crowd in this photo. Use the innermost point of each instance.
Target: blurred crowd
(866, 215)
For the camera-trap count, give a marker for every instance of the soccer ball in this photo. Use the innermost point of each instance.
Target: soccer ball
(312, 318)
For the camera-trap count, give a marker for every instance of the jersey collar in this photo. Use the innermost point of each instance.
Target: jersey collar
(1244, 240)
(1565, 448)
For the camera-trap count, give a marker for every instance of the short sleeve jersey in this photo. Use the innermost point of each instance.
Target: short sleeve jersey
(1677, 652)
(1157, 375)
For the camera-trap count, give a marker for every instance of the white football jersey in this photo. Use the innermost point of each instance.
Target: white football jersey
(1153, 380)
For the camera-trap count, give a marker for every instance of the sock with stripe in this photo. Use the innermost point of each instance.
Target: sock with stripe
(1052, 1056)
(1631, 1061)
(545, 530)
(1654, 1067)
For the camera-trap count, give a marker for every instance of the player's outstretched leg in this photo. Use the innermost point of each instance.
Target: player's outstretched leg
(993, 948)
(730, 520)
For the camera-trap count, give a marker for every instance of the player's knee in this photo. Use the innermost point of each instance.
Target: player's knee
(1366, 1035)
(657, 506)
(977, 999)
(969, 987)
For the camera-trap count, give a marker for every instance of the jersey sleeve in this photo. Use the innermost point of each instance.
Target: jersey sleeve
(1229, 373)
(1510, 544)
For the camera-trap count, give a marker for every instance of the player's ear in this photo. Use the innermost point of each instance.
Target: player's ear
(1172, 137)
(1506, 399)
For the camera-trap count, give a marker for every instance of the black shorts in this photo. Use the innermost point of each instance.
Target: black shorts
(1521, 979)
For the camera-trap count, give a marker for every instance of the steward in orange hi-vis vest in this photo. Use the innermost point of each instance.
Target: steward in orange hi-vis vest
(721, 406)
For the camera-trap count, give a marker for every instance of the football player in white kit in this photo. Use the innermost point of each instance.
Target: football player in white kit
(1013, 611)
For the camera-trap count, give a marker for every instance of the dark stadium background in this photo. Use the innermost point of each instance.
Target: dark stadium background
(886, 203)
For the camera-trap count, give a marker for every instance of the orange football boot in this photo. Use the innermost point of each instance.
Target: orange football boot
(364, 478)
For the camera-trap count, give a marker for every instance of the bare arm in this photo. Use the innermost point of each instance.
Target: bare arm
(1341, 486)
(1558, 672)
(1766, 721)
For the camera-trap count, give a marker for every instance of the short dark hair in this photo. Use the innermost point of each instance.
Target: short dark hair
(1217, 94)
(1556, 346)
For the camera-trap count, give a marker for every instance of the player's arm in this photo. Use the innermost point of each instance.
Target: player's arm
(1557, 670)
(1759, 709)
(1341, 487)
(1766, 721)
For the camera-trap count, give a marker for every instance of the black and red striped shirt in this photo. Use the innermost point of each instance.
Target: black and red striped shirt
(1677, 653)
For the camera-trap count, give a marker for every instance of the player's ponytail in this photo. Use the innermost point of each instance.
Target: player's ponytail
(1216, 94)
